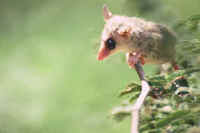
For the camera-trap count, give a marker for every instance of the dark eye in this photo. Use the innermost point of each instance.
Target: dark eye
(110, 43)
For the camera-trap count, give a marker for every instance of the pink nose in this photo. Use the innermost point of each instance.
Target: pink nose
(103, 53)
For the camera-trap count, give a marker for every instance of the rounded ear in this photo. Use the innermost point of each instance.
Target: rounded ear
(106, 13)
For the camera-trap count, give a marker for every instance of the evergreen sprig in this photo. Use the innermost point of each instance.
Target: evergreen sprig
(171, 103)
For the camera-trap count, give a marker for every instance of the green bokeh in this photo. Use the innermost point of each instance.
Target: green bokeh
(50, 79)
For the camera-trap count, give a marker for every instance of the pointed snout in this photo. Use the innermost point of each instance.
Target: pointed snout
(103, 53)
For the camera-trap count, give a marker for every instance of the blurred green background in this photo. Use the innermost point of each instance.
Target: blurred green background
(50, 79)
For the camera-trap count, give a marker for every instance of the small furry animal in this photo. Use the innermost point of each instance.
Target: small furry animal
(141, 40)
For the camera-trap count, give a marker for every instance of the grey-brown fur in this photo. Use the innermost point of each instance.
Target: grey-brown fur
(155, 42)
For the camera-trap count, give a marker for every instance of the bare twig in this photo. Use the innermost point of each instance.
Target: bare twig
(140, 71)
(137, 106)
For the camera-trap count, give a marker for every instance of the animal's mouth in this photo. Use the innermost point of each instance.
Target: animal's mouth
(103, 53)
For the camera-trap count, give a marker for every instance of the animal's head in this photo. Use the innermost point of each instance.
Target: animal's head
(116, 35)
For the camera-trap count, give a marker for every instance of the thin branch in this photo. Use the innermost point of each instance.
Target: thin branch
(140, 71)
(137, 106)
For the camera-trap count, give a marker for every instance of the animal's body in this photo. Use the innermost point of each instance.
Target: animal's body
(141, 40)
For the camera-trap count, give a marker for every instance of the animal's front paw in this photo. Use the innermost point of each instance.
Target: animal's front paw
(133, 58)
(130, 59)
